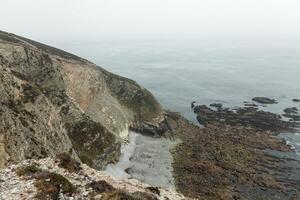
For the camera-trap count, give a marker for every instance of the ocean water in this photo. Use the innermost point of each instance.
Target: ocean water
(229, 73)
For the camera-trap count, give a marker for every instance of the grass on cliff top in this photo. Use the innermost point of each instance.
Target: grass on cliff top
(48, 184)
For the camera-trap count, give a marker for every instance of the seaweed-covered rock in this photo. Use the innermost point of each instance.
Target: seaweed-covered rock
(247, 117)
(228, 158)
(292, 110)
(264, 100)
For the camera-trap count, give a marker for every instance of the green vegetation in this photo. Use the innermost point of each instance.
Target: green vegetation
(121, 195)
(50, 184)
(68, 163)
(27, 170)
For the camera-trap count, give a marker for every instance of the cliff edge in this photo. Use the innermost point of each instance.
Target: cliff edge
(53, 102)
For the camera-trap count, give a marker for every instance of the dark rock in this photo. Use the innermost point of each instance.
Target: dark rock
(292, 113)
(293, 117)
(153, 130)
(214, 162)
(264, 100)
(247, 117)
(100, 186)
(292, 110)
(251, 105)
(296, 100)
(216, 105)
(154, 190)
(204, 109)
(193, 104)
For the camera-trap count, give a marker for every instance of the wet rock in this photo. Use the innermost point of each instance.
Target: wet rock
(204, 109)
(251, 105)
(292, 110)
(216, 105)
(193, 104)
(292, 113)
(264, 100)
(296, 100)
(247, 116)
(293, 117)
(228, 156)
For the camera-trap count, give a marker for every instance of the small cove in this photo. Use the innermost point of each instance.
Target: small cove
(146, 159)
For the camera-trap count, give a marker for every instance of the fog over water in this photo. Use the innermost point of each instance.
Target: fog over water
(85, 21)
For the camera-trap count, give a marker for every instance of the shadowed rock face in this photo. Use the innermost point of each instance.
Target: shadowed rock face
(53, 102)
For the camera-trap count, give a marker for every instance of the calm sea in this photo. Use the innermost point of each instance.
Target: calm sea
(206, 73)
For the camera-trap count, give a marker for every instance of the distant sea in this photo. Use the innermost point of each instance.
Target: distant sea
(179, 73)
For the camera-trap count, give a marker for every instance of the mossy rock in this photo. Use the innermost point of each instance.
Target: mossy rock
(50, 185)
(27, 170)
(122, 195)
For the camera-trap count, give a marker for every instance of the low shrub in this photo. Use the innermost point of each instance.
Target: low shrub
(27, 170)
(68, 163)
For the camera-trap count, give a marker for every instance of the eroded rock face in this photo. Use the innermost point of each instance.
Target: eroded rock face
(53, 102)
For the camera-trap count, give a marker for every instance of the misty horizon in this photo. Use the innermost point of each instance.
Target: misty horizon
(74, 22)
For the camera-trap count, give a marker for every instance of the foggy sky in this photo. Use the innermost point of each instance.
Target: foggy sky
(88, 20)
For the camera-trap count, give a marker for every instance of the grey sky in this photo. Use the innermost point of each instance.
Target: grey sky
(143, 19)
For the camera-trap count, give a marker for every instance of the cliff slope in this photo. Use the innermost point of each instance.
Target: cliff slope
(62, 178)
(53, 102)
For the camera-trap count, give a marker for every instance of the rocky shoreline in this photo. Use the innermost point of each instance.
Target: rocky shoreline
(62, 117)
(229, 159)
(53, 102)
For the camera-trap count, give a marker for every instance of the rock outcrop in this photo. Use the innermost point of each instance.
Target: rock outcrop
(264, 100)
(245, 116)
(53, 102)
(56, 179)
(234, 156)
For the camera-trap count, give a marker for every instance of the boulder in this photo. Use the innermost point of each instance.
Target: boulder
(264, 100)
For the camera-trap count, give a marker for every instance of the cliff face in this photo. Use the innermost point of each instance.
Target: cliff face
(53, 102)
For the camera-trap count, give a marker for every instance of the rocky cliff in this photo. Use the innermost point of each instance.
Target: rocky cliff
(53, 102)
(62, 178)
